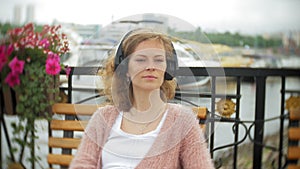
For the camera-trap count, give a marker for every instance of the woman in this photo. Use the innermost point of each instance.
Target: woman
(140, 129)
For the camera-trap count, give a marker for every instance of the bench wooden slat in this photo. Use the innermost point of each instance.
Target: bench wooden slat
(294, 114)
(202, 126)
(293, 153)
(201, 112)
(74, 109)
(69, 125)
(60, 159)
(293, 166)
(64, 142)
(294, 133)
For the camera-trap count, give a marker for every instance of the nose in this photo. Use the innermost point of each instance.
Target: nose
(151, 66)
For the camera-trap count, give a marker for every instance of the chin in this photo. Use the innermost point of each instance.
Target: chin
(148, 86)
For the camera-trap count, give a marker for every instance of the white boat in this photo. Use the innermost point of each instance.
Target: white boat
(186, 58)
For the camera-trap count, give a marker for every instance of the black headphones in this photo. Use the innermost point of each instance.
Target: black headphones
(172, 63)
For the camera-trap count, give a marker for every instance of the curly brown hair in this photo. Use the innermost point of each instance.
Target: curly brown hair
(122, 95)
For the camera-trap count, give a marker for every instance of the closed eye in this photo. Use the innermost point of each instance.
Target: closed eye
(140, 60)
(159, 60)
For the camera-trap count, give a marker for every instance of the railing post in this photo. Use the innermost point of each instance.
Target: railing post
(212, 125)
(237, 116)
(259, 124)
(281, 122)
(1, 108)
(69, 134)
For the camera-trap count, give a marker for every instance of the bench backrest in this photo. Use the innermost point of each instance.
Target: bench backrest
(64, 126)
(293, 154)
(62, 141)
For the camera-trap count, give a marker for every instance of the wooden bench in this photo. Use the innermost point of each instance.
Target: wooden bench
(201, 113)
(293, 152)
(65, 143)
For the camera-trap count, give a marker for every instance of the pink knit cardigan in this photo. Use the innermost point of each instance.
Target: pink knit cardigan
(180, 143)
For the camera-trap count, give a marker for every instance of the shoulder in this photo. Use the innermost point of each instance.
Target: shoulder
(106, 112)
(99, 126)
(180, 118)
(179, 122)
(182, 111)
(105, 115)
(175, 106)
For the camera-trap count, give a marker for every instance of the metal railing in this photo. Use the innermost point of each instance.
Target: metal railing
(258, 77)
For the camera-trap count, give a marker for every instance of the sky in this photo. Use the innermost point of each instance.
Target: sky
(243, 16)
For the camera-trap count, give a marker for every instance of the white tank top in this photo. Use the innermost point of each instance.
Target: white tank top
(124, 150)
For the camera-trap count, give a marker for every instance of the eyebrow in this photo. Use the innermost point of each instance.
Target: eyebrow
(159, 55)
(140, 55)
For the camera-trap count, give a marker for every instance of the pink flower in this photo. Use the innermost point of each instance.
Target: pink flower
(67, 70)
(52, 66)
(54, 56)
(9, 49)
(29, 27)
(16, 46)
(44, 43)
(12, 79)
(16, 65)
(45, 30)
(30, 44)
(2, 49)
(3, 60)
(3, 57)
(16, 32)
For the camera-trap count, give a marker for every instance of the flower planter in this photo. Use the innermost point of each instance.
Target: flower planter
(30, 66)
(15, 165)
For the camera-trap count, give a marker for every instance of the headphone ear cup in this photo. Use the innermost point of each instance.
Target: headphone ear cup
(169, 74)
(122, 68)
(118, 57)
(172, 66)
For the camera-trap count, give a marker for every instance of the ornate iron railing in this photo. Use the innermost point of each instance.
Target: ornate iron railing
(224, 100)
(258, 77)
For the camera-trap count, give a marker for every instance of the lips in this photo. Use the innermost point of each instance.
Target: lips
(149, 77)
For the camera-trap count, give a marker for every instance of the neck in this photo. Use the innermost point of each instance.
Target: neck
(147, 101)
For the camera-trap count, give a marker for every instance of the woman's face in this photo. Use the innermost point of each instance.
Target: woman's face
(147, 65)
